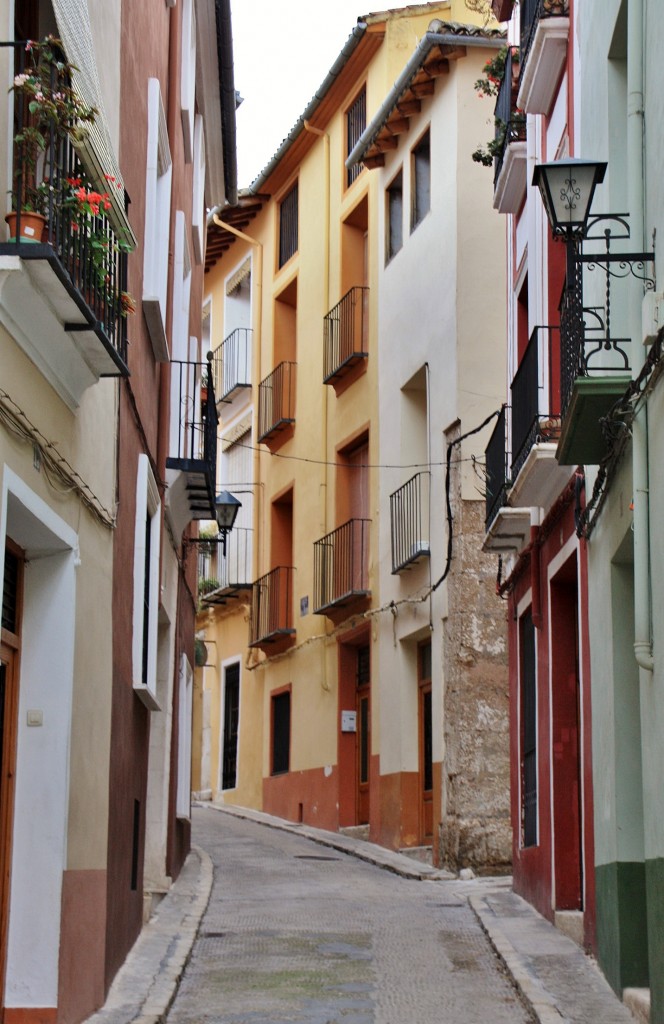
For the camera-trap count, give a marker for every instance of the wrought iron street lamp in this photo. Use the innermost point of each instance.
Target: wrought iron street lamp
(567, 188)
(227, 507)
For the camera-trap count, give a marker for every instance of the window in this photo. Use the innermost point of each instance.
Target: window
(157, 223)
(528, 733)
(420, 181)
(281, 713)
(394, 216)
(188, 77)
(146, 584)
(231, 723)
(356, 122)
(198, 207)
(288, 227)
(186, 685)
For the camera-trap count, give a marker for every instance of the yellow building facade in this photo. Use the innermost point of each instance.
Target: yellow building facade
(288, 703)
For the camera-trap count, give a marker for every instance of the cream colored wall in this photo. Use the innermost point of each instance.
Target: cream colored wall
(87, 442)
(481, 322)
(226, 632)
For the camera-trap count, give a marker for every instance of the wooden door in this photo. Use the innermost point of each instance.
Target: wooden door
(363, 734)
(9, 662)
(425, 744)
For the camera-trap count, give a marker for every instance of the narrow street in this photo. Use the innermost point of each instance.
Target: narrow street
(295, 931)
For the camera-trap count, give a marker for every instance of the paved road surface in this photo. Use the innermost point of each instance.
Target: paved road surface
(297, 932)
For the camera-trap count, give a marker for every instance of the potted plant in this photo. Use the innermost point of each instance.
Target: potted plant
(489, 85)
(48, 107)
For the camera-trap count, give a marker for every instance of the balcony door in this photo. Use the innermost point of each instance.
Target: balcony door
(358, 499)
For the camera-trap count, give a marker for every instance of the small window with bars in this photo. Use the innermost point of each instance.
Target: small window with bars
(288, 226)
(356, 122)
(10, 592)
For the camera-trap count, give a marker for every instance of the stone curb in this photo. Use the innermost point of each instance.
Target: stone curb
(379, 856)
(536, 997)
(145, 985)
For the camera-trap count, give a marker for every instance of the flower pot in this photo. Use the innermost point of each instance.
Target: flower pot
(32, 226)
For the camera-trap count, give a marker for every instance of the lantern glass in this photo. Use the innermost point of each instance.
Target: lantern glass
(567, 188)
(226, 510)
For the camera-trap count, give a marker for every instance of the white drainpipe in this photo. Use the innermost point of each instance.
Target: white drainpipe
(640, 482)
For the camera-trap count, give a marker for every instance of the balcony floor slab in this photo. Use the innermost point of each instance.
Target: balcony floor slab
(541, 478)
(509, 530)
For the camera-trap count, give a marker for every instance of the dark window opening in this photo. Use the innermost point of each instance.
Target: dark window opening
(231, 721)
(146, 600)
(135, 845)
(421, 181)
(356, 122)
(281, 733)
(10, 592)
(395, 216)
(288, 226)
(528, 732)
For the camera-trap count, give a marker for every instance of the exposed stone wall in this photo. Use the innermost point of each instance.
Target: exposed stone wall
(476, 830)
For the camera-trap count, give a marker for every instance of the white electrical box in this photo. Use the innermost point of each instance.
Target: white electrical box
(349, 721)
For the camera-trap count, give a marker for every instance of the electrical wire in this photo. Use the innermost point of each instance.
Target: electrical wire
(448, 501)
(59, 473)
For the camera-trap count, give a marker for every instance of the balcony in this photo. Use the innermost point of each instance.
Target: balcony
(63, 282)
(231, 364)
(276, 403)
(191, 466)
(409, 519)
(271, 626)
(222, 577)
(341, 570)
(345, 335)
(544, 35)
(509, 173)
(536, 478)
(594, 360)
(496, 469)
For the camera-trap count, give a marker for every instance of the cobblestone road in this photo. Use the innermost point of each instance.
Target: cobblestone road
(297, 932)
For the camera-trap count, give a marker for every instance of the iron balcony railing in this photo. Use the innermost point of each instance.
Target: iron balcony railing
(231, 363)
(496, 456)
(532, 11)
(409, 519)
(276, 401)
(530, 420)
(345, 333)
(510, 124)
(272, 606)
(193, 443)
(77, 237)
(341, 565)
(222, 574)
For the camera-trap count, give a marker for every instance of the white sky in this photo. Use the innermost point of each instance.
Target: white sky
(282, 51)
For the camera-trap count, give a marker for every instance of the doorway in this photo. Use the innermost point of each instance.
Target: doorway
(566, 739)
(425, 730)
(9, 662)
(363, 681)
(231, 724)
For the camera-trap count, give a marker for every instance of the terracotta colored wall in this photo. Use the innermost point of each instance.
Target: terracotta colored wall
(533, 867)
(81, 981)
(308, 796)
